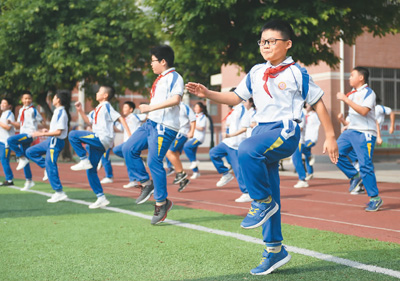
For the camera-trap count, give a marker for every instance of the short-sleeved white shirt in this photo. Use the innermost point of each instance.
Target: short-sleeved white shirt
(289, 90)
(170, 84)
(103, 123)
(134, 121)
(201, 121)
(234, 122)
(59, 121)
(4, 134)
(380, 112)
(186, 116)
(31, 119)
(312, 127)
(364, 96)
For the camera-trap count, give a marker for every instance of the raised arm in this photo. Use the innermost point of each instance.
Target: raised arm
(125, 125)
(229, 98)
(392, 118)
(358, 108)
(79, 108)
(330, 144)
(172, 101)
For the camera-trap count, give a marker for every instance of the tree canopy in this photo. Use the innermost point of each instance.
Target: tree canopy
(51, 44)
(209, 33)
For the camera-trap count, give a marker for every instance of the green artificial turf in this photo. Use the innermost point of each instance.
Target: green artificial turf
(68, 241)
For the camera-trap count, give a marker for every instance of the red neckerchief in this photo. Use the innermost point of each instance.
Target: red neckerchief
(23, 115)
(273, 73)
(226, 117)
(96, 112)
(153, 88)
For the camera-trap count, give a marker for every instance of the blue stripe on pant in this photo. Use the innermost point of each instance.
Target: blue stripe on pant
(52, 147)
(298, 162)
(190, 149)
(5, 161)
(363, 145)
(157, 139)
(19, 144)
(259, 158)
(106, 162)
(96, 151)
(222, 150)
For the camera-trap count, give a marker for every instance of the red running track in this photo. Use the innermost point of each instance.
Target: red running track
(325, 205)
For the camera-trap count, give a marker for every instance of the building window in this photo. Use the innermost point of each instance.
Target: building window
(386, 84)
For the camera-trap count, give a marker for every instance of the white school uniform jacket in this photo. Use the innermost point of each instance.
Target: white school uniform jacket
(312, 127)
(4, 134)
(170, 84)
(201, 121)
(103, 118)
(186, 117)
(380, 112)
(134, 121)
(30, 120)
(363, 96)
(248, 119)
(59, 121)
(289, 89)
(234, 122)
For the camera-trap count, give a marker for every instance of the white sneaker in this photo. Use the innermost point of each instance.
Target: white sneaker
(28, 185)
(195, 175)
(82, 165)
(131, 184)
(107, 180)
(225, 179)
(194, 164)
(45, 177)
(100, 202)
(301, 184)
(309, 176)
(311, 160)
(99, 165)
(22, 162)
(58, 196)
(245, 197)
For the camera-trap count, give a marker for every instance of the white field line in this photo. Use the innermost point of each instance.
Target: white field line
(305, 252)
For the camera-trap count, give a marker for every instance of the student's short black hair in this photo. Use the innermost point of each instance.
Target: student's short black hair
(26, 92)
(282, 26)
(164, 52)
(110, 91)
(130, 104)
(8, 100)
(363, 71)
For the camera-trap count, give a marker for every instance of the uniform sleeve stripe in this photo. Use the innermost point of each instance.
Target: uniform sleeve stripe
(174, 79)
(59, 115)
(248, 83)
(369, 91)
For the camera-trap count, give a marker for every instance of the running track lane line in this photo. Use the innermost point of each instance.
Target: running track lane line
(242, 237)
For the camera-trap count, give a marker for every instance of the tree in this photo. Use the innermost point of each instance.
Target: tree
(207, 34)
(47, 45)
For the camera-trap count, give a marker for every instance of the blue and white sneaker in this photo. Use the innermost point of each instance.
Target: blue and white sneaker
(259, 213)
(374, 205)
(355, 182)
(271, 261)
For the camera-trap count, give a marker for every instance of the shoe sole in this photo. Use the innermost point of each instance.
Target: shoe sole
(20, 168)
(145, 199)
(221, 185)
(165, 216)
(181, 188)
(243, 201)
(100, 206)
(62, 199)
(80, 169)
(270, 214)
(176, 182)
(275, 266)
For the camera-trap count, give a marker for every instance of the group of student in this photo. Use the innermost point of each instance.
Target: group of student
(279, 88)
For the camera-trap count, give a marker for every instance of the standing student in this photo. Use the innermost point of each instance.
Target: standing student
(134, 121)
(279, 88)
(53, 145)
(27, 123)
(157, 133)
(192, 144)
(6, 131)
(187, 120)
(98, 141)
(380, 112)
(360, 136)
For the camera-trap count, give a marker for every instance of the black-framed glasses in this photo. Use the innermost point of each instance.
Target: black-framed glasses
(154, 60)
(270, 42)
